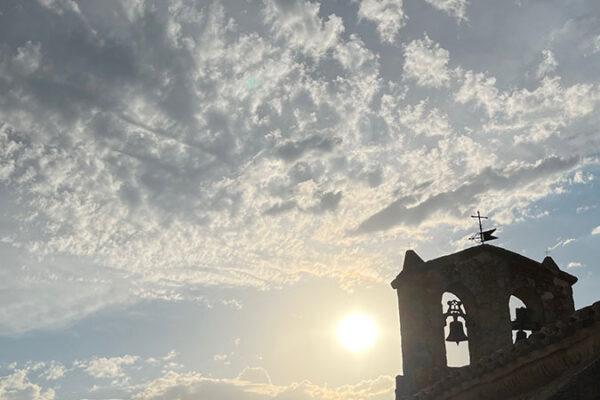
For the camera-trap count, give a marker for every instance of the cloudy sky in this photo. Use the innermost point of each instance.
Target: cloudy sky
(193, 193)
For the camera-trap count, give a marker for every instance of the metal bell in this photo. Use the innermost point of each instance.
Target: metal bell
(520, 336)
(457, 333)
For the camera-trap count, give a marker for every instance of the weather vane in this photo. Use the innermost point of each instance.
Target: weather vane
(482, 236)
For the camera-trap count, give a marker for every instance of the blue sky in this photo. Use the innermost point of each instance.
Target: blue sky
(170, 231)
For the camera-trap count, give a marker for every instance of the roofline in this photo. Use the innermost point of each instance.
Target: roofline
(547, 264)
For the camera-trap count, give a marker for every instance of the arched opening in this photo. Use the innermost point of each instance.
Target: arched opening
(457, 344)
(526, 313)
(514, 304)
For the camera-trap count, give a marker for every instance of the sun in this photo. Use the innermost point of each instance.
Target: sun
(357, 332)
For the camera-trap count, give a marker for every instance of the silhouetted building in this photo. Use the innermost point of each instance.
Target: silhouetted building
(559, 360)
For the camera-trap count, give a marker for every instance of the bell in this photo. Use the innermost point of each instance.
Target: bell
(520, 336)
(457, 333)
(524, 320)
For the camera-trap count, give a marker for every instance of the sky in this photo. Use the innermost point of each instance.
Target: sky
(193, 194)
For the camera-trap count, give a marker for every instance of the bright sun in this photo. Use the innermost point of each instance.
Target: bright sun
(357, 332)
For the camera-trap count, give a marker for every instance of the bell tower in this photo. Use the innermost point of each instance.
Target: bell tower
(484, 278)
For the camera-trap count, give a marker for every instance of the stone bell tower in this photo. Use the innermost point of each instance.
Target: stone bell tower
(483, 277)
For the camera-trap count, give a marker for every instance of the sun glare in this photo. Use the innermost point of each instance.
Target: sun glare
(357, 332)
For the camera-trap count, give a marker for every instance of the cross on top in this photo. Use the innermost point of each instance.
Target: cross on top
(482, 236)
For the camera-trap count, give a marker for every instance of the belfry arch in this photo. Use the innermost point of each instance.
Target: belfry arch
(528, 316)
(455, 331)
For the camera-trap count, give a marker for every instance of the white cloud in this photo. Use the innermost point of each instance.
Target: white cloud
(170, 355)
(562, 243)
(107, 367)
(54, 371)
(299, 23)
(596, 230)
(547, 65)
(111, 184)
(532, 115)
(455, 8)
(17, 386)
(596, 44)
(255, 384)
(482, 90)
(426, 63)
(582, 209)
(28, 58)
(430, 122)
(60, 6)
(388, 15)
(574, 264)
(255, 375)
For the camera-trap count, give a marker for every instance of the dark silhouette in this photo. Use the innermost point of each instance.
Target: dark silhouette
(564, 347)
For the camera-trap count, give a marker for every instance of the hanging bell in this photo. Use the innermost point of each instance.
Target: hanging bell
(520, 336)
(457, 333)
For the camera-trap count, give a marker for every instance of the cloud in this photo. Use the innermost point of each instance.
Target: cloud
(562, 243)
(574, 264)
(426, 63)
(170, 355)
(596, 230)
(290, 151)
(255, 375)
(28, 58)
(127, 138)
(107, 367)
(255, 384)
(299, 23)
(547, 65)
(386, 14)
(481, 89)
(421, 121)
(455, 8)
(534, 115)
(17, 386)
(453, 201)
(54, 371)
(582, 209)
(60, 6)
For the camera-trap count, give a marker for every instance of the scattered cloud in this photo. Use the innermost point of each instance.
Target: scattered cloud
(562, 243)
(138, 164)
(426, 122)
(54, 371)
(124, 148)
(170, 355)
(255, 384)
(299, 23)
(457, 202)
(455, 8)
(481, 89)
(582, 209)
(547, 65)
(107, 367)
(426, 63)
(18, 386)
(388, 16)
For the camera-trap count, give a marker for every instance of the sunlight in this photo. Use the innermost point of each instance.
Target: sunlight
(357, 332)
